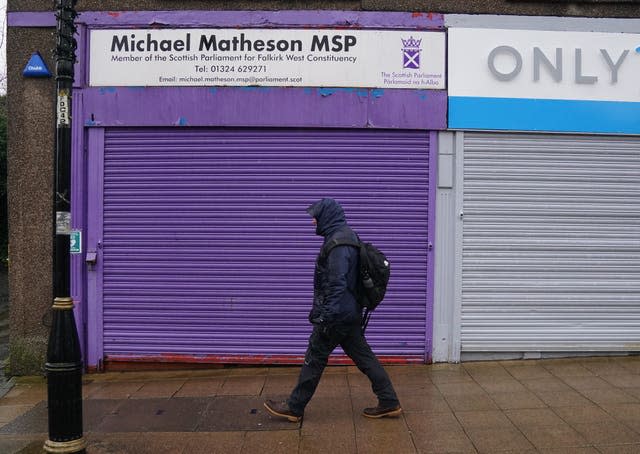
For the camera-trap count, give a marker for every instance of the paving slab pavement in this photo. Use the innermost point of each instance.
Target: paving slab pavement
(577, 405)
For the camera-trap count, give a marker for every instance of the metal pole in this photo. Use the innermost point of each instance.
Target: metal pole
(64, 363)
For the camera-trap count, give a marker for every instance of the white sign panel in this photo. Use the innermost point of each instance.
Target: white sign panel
(532, 80)
(544, 64)
(268, 57)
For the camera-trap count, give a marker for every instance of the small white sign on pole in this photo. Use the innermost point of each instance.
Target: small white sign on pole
(268, 57)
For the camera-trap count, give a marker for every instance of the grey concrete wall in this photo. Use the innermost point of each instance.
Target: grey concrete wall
(30, 179)
(588, 8)
(593, 8)
(172, 5)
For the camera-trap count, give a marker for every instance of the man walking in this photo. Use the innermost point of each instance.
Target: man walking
(336, 317)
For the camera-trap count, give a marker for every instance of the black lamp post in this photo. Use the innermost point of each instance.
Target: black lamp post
(64, 363)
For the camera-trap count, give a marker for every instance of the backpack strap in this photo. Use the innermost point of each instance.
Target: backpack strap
(365, 319)
(327, 248)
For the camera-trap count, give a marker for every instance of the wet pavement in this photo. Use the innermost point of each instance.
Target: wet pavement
(586, 405)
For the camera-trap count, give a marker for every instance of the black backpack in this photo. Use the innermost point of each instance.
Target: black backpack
(375, 271)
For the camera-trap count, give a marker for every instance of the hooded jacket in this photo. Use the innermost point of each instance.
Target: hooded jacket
(336, 274)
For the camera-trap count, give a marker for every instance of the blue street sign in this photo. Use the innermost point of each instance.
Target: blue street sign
(36, 67)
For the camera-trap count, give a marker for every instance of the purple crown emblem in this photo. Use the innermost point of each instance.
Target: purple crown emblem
(411, 53)
(411, 43)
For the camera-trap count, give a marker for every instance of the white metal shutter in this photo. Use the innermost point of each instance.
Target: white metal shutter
(551, 243)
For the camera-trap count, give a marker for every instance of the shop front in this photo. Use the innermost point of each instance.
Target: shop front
(544, 212)
(199, 145)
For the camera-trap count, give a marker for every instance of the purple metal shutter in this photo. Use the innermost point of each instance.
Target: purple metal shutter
(209, 253)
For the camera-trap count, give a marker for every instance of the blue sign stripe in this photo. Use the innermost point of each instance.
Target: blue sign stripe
(544, 115)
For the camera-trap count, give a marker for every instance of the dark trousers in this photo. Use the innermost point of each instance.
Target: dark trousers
(352, 341)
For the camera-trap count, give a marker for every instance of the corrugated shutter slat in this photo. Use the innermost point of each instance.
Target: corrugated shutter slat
(551, 244)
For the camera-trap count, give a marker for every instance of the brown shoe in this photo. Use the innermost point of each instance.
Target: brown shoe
(381, 412)
(281, 409)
